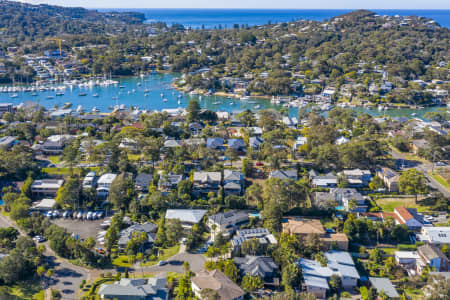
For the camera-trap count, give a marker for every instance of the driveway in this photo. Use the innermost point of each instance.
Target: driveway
(175, 264)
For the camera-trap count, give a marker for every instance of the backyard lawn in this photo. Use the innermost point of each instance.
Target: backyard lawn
(388, 204)
(167, 253)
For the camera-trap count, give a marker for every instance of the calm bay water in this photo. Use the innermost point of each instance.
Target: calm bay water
(226, 18)
(133, 94)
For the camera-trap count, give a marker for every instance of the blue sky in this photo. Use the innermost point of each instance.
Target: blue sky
(322, 4)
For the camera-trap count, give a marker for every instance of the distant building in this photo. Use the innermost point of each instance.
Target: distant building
(206, 182)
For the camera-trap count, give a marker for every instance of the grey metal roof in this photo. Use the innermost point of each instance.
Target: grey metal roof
(256, 265)
(186, 215)
(384, 284)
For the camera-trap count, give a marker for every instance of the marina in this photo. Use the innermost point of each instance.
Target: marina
(155, 92)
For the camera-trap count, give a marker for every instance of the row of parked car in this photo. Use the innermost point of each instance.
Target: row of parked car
(80, 215)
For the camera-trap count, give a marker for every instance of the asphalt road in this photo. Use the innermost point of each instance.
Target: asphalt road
(408, 164)
(66, 278)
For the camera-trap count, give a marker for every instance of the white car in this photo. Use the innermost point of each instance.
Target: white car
(162, 263)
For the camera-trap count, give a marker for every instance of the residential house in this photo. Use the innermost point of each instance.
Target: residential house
(262, 234)
(342, 263)
(409, 217)
(187, 217)
(128, 233)
(299, 143)
(262, 266)
(90, 180)
(135, 289)
(287, 174)
(305, 227)
(104, 184)
(431, 256)
(142, 182)
(323, 181)
(44, 204)
(407, 259)
(226, 222)
(206, 182)
(7, 142)
(357, 178)
(169, 181)
(46, 187)
(215, 280)
(233, 182)
(214, 143)
(254, 142)
(129, 144)
(237, 144)
(195, 128)
(420, 144)
(54, 145)
(390, 178)
(347, 199)
(316, 276)
(171, 143)
(437, 236)
(6, 107)
(382, 284)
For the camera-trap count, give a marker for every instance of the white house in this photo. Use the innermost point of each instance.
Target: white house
(104, 184)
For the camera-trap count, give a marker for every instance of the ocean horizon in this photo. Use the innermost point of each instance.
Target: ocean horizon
(226, 18)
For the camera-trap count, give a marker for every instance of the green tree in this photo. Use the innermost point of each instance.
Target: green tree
(251, 283)
(193, 110)
(412, 182)
(291, 277)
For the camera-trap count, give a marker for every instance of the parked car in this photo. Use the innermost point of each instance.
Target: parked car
(55, 214)
(162, 263)
(79, 215)
(89, 215)
(38, 238)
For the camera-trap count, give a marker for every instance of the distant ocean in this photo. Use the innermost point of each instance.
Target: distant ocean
(226, 18)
